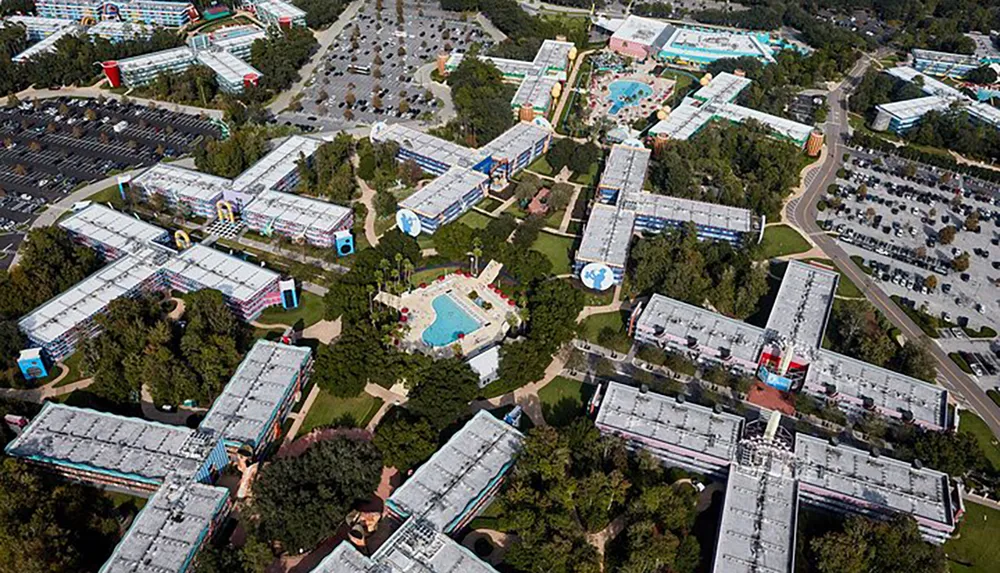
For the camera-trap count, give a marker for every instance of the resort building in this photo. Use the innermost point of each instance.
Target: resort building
(236, 40)
(439, 499)
(768, 477)
(231, 73)
(901, 116)
(276, 171)
(109, 450)
(301, 218)
(47, 44)
(259, 396)
(625, 207)
(116, 31)
(182, 189)
(152, 12)
(38, 27)
(787, 354)
(714, 101)
(278, 13)
(112, 234)
(537, 79)
(949, 65)
(465, 175)
(683, 45)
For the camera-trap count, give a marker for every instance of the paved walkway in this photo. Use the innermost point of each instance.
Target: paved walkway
(570, 85)
(42, 393)
(526, 396)
(616, 304)
(300, 416)
(368, 200)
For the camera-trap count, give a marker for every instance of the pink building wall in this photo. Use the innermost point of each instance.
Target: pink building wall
(631, 49)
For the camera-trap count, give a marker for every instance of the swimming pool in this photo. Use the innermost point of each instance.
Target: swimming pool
(450, 320)
(627, 93)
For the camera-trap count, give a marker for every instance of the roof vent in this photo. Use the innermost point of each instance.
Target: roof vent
(644, 388)
(876, 452)
(834, 441)
(717, 408)
(917, 464)
(680, 398)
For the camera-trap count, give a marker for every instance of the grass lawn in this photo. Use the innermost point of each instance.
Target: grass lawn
(586, 178)
(591, 327)
(383, 224)
(474, 220)
(957, 359)
(429, 275)
(122, 499)
(593, 297)
(489, 204)
(563, 400)
(976, 550)
(557, 249)
(782, 240)
(425, 241)
(555, 219)
(74, 363)
(329, 410)
(845, 287)
(541, 166)
(310, 312)
(972, 424)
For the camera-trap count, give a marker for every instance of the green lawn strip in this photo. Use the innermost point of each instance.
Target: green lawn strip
(984, 332)
(122, 500)
(957, 359)
(973, 425)
(330, 410)
(425, 241)
(541, 166)
(587, 177)
(845, 286)
(860, 261)
(475, 220)
(993, 394)
(782, 240)
(563, 400)
(556, 249)
(555, 219)
(383, 224)
(75, 365)
(430, 275)
(489, 204)
(975, 548)
(592, 297)
(310, 311)
(591, 327)
(929, 324)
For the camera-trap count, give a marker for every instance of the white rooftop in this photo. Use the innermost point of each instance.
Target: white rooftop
(444, 191)
(111, 228)
(803, 302)
(276, 165)
(227, 66)
(757, 531)
(514, 142)
(437, 149)
(308, 213)
(625, 169)
(929, 85)
(723, 88)
(162, 59)
(684, 210)
(642, 31)
(216, 270)
(915, 108)
(187, 183)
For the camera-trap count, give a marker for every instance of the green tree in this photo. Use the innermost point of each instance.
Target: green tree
(866, 545)
(947, 235)
(357, 357)
(442, 390)
(404, 439)
(302, 500)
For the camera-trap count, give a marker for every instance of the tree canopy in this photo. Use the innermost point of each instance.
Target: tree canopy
(405, 439)
(865, 545)
(302, 500)
(329, 172)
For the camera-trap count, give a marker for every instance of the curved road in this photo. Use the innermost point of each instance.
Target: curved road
(802, 214)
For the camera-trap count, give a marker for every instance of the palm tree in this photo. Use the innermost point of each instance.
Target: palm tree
(399, 262)
(379, 276)
(408, 270)
(477, 251)
(395, 277)
(371, 298)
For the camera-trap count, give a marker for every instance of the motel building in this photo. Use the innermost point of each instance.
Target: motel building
(151, 12)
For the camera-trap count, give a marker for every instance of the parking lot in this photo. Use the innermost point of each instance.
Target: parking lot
(893, 225)
(368, 73)
(50, 147)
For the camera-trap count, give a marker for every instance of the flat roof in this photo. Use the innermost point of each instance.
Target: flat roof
(803, 303)
(658, 419)
(703, 213)
(111, 228)
(888, 390)
(845, 472)
(187, 183)
(61, 314)
(686, 324)
(757, 531)
(625, 169)
(535, 90)
(227, 66)
(683, 122)
(643, 31)
(985, 112)
(785, 127)
(312, 214)
(38, 23)
(213, 269)
(521, 137)
(443, 191)
(46, 44)
(443, 489)
(930, 86)
(915, 108)
(701, 43)
(413, 548)
(945, 57)
(276, 165)
(163, 58)
(607, 236)
(112, 28)
(249, 403)
(435, 148)
(132, 448)
(553, 55)
(723, 88)
(169, 530)
(280, 8)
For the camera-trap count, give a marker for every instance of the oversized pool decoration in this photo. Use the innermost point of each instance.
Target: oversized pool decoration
(408, 222)
(597, 276)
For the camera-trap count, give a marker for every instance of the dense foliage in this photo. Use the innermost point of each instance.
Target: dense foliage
(405, 439)
(482, 103)
(571, 482)
(49, 526)
(321, 13)
(578, 157)
(329, 172)
(194, 86)
(877, 88)
(736, 165)
(299, 501)
(280, 56)
(232, 156)
(140, 346)
(678, 265)
(864, 544)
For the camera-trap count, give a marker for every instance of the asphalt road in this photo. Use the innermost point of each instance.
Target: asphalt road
(802, 213)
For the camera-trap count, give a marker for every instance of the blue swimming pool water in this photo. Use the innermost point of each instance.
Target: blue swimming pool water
(627, 93)
(450, 320)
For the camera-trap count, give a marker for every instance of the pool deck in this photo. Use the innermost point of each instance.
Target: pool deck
(600, 101)
(420, 311)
